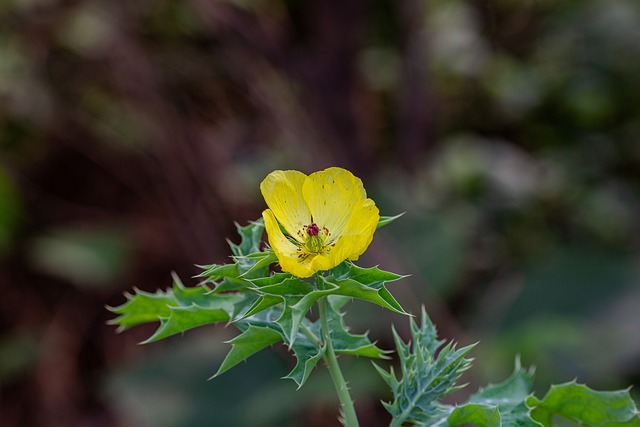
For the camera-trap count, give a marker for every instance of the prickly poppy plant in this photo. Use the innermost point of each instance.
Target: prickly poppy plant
(317, 225)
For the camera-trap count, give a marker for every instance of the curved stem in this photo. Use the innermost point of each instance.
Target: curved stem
(349, 412)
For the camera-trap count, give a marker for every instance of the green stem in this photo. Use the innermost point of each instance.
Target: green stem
(397, 422)
(349, 412)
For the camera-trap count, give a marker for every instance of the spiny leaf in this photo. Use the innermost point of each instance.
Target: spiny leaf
(285, 321)
(384, 220)
(231, 284)
(307, 354)
(427, 333)
(250, 235)
(142, 307)
(273, 279)
(372, 277)
(381, 297)
(177, 309)
(345, 342)
(262, 303)
(266, 318)
(215, 272)
(288, 286)
(585, 406)
(244, 302)
(426, 377)
(499, 405)
(185, 318)
(252, 340)
(182, 318)
(257, 261)
(298, 311)
(513, 391)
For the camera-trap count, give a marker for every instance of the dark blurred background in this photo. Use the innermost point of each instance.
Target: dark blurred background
(134, 133)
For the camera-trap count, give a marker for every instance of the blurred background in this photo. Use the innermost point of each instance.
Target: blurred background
(133, 135)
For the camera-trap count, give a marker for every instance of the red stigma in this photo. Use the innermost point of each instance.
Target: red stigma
(313, 230)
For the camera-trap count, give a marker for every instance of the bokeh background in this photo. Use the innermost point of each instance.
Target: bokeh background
(134, 133)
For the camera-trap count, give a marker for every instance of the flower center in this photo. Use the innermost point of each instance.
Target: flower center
(314, 242)
(313, 229)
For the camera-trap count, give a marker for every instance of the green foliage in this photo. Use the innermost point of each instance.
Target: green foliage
(385, 220)
(143, 307)
(266, 307)
(178, 309)
(427, 376)
(499, 405)
(349, 281)
(580, 404)
(269, 308)
(254, 339)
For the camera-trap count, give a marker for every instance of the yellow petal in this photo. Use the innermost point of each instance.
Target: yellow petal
(331, 195)
(358, 232)
(299, 269)
(282, 190)
(285, 250)
(322, 262)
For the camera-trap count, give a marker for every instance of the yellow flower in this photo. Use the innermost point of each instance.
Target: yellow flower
(315, 222)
